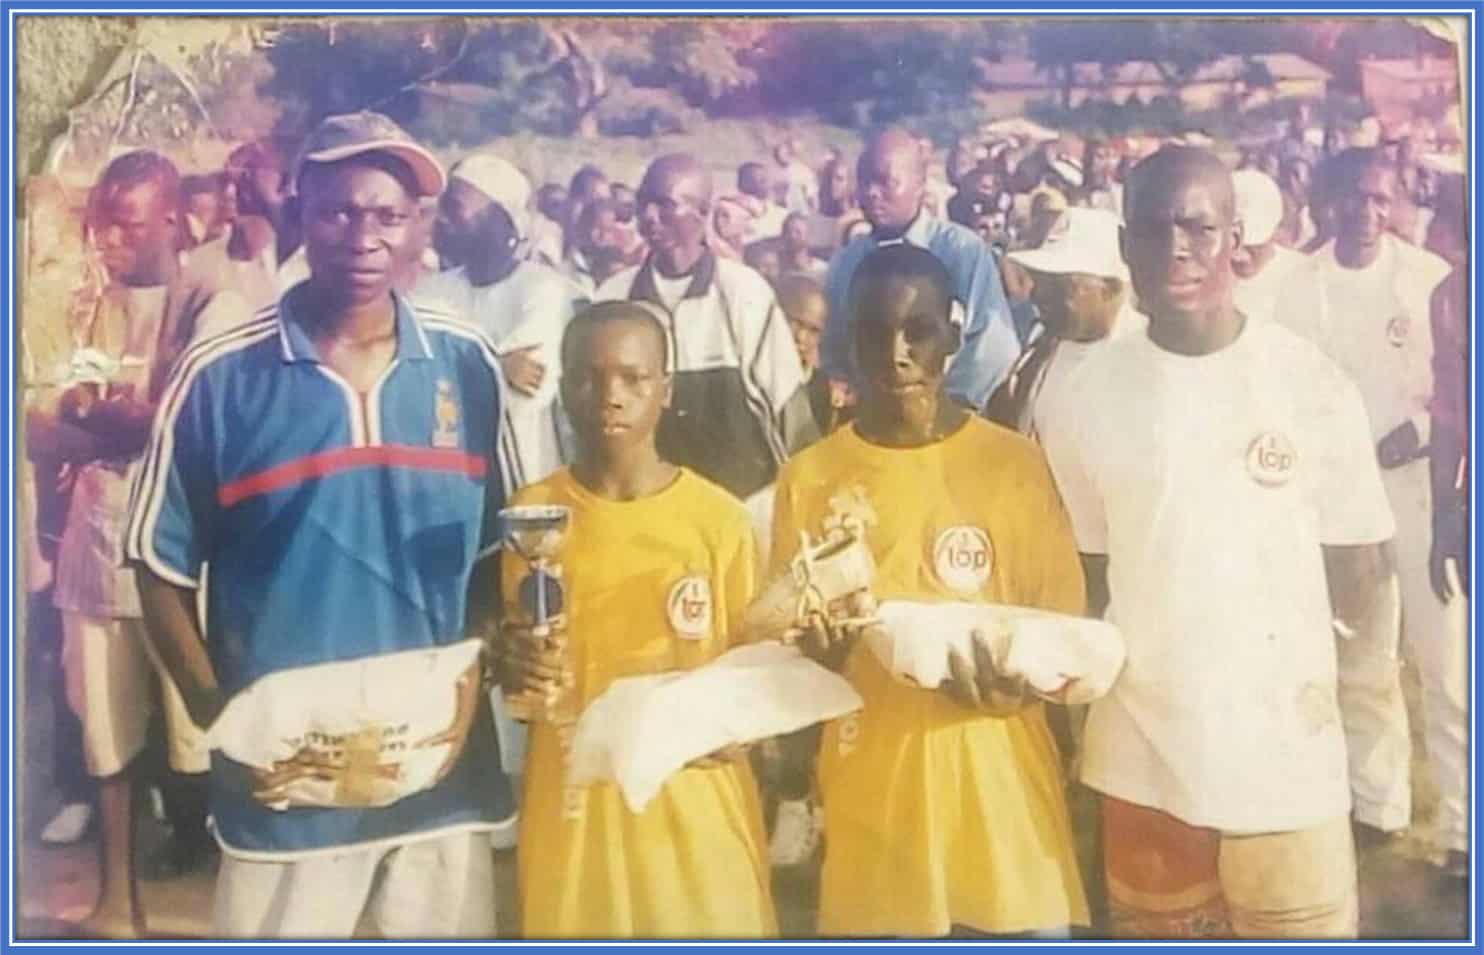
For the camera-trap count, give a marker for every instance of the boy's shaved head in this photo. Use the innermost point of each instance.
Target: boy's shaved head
(615, 381)
(797, 291)
(579, 328)
(1179, 164)
(902, 262)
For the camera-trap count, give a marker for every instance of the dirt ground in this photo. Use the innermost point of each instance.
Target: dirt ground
(1401, 894)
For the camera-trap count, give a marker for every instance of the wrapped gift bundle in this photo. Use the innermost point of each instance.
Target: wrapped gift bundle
(644, 729)
(1062, 658)
(359, 733)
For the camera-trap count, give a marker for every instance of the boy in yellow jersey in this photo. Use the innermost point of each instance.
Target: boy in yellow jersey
(944, 808)
(658, 566)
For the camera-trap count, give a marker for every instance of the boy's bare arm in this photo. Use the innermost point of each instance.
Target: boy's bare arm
(482, 604)
(170, 615)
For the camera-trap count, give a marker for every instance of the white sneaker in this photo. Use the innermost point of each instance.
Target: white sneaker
(69, 825)
(795, 833)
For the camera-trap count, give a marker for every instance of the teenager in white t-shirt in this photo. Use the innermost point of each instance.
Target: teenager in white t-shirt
(1365, 300)
(1221, 483)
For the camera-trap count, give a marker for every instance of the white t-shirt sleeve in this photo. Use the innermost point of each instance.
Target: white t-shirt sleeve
(1351, 501)
(1067, 450)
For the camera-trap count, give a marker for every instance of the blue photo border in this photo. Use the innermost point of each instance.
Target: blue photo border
(819, 8)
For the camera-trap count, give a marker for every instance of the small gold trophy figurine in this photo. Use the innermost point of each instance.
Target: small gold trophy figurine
(831, 574)
(536, 532)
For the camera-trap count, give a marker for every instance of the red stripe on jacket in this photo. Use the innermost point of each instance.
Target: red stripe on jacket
(348, 459)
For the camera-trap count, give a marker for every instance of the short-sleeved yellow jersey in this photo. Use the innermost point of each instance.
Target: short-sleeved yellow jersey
(650, 585)
(937, 815)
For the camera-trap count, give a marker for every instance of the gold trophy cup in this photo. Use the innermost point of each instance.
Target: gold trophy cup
(536, 532)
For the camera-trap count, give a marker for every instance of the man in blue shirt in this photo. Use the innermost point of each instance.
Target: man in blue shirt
(335, 464)
(891, 181)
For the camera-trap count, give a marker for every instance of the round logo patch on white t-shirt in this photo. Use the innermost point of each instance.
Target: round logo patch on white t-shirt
(1397, 330)
(963, 558)
(1271, 459)
(689, 607)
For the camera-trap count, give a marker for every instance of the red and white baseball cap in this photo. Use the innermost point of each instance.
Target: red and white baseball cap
(353, 134)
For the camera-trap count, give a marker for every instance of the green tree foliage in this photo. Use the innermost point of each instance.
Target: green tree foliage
(462, 79)
(176, 82)
(494, 77)
(665, 75)
(707, 63)
(630, 110)
(866, 74)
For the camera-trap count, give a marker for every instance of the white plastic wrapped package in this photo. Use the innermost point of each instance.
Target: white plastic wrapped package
(645, 728)
(360, 733)
(1062, 658)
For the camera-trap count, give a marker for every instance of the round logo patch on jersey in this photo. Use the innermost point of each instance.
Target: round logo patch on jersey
(1397, 330)
(963, 558)
(690, 607)
(1271, 459)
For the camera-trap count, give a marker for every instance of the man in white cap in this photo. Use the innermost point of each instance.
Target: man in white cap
(337, 462)
(522, 305)
(1261, 265)
(1078, 287)
(1365, 299)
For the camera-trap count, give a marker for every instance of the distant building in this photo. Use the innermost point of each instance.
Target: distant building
(1009, 87)
(1399, 90)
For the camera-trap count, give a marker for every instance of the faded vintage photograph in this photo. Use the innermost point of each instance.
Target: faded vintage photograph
(742, 478)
